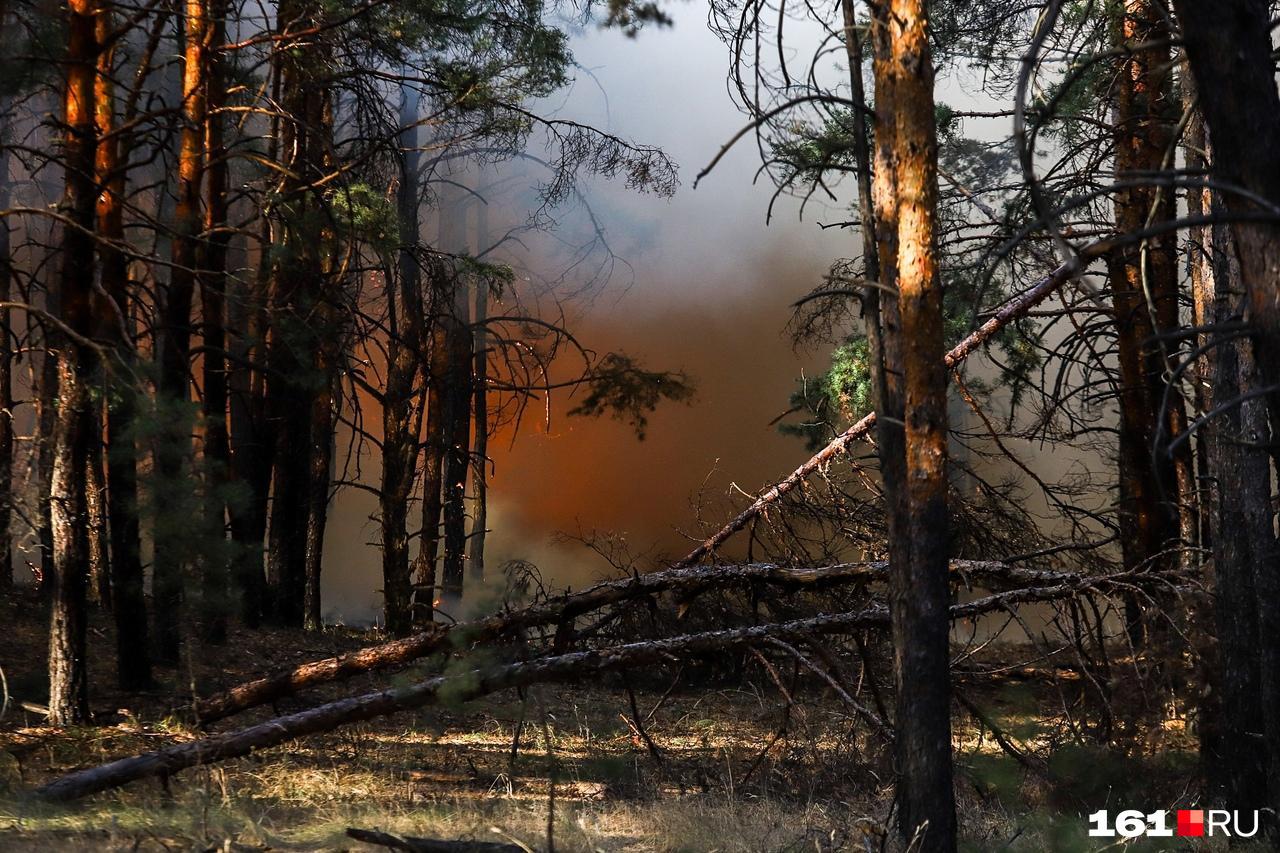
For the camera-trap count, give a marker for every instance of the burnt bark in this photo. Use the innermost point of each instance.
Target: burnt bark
(215, 569)
(913, 450)
(401, 419)
(6, 379)
(457, 418)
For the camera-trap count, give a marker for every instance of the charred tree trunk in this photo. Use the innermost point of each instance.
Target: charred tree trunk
(68, 670)
(6, 374)
(916, 480)
(401, 419)
(299, 315)
(434, 446)
(215, 586)
(480, 416)
(1229, 48)
(133, 653)
(319, 475)
(457, 417)
(251, 441)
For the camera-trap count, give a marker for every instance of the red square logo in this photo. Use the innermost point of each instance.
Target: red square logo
(1190, 822)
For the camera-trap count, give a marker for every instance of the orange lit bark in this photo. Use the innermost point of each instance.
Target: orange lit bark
(916, 480)
(174, 449)
(1156, 501)
(68, 671)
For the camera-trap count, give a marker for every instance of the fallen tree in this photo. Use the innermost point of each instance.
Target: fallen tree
(287, 682)
(571, 666)
(687, 582)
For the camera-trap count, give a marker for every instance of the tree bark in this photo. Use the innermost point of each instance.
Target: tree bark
(1156, 500)
(401, 419)
(457, 417)
(301, 326)
(215, 586)
(1229, 48)
(918, 592)
(174, 448)
(133, 653)
(6, 374)
(68, 670)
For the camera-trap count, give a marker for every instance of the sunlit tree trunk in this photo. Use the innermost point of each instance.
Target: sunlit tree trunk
(916, 482)
(68, 670)
(133, 655)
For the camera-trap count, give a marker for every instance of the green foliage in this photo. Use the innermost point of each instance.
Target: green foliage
(842, 394)
(362, 213)
(811, 150)
(620, 387)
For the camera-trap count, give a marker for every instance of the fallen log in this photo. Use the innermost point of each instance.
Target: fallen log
(687, 582)
(410, 844)
(286, 683)
(483, 681)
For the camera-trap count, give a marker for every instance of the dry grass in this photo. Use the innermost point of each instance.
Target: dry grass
(725, 778)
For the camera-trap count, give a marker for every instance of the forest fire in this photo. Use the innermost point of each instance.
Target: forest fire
(365, 374)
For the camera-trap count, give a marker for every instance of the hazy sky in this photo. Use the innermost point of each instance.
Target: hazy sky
(709, 293)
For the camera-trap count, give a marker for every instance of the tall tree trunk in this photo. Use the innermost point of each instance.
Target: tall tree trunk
(6, 368)
(299, 322)
(480, 416)
(174, 448)
(457, 416)
(251, 441)
(321, 460)
(917, 486)
(401, 419)
(1228, 45)
(434, 446)
(1156, 502)
(96, 512)
(68, 670)
(213, 287)
(133, 654)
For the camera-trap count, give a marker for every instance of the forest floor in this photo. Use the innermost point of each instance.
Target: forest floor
(731, 767)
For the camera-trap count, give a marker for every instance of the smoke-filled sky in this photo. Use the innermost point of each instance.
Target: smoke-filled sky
(709, 292)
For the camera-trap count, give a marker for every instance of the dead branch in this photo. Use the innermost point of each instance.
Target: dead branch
(1003, 316)
(571, 666)
(409, 844)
